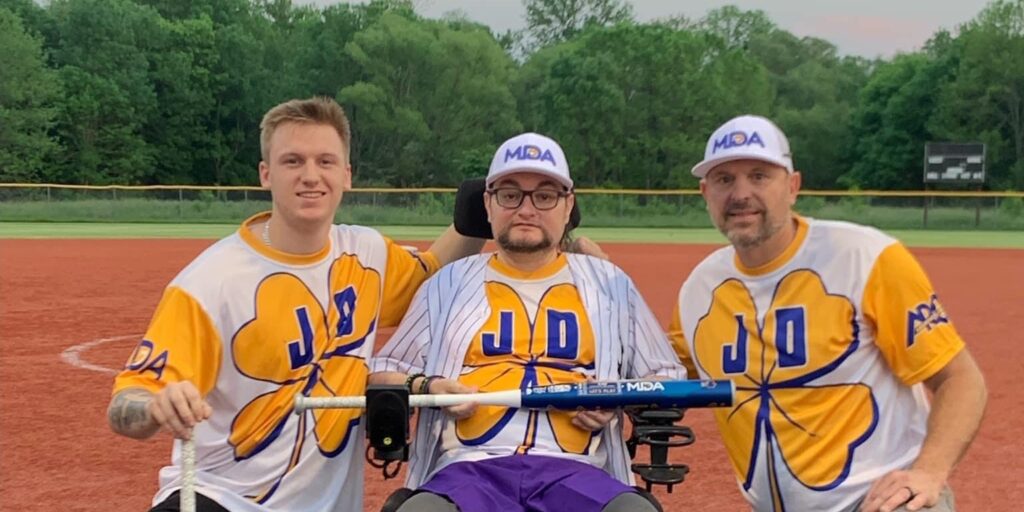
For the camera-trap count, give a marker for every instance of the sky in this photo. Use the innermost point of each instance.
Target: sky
(868, 28)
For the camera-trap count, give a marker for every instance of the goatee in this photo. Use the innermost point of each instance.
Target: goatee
(505, 241)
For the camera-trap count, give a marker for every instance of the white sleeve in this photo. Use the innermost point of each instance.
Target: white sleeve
(406, 351)
(651, 353)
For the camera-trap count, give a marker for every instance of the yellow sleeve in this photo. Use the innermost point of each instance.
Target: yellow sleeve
(406, 271)
(181, 344)
(678, 339)
(912, 329)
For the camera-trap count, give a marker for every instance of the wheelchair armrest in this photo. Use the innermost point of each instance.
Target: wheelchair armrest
(666, 437)
(656, 428)
(654, 416)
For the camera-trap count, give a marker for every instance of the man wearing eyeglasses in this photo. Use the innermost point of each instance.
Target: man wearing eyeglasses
(527, 314)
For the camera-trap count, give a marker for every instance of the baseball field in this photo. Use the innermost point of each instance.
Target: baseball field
(75, 298)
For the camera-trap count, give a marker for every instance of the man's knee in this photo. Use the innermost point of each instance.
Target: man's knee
(630, 502)
(427, 502)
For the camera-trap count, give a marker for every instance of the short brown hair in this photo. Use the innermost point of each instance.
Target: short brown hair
(315, 110)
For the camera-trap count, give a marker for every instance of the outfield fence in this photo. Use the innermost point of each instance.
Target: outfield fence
(433, 206)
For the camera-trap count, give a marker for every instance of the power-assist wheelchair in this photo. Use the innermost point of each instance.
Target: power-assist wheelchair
(387, 430)
(388, 413)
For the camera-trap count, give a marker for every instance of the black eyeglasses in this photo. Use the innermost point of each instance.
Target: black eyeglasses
(512, 198)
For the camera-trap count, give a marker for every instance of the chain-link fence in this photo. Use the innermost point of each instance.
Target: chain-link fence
(433, 206)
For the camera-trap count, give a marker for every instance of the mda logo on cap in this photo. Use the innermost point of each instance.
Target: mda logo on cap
(529, 152)
(745, 137)
(737, 139)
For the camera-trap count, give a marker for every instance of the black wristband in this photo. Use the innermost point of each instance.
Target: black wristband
(410, 379)
(425, 386)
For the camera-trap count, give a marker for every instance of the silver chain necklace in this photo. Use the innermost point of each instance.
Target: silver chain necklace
(266, 233)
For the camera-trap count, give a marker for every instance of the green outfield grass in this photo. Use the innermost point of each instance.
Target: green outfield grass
(916, 238)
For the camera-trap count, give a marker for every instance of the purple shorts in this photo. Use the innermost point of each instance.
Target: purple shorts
(521, 483)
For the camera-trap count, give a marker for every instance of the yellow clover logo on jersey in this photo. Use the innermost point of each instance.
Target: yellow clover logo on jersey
(502, 357)
(805, 335)
(292, 343)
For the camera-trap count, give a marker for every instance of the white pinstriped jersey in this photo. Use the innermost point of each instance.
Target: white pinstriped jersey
(828, 345)
(493, 327)
(251, 327)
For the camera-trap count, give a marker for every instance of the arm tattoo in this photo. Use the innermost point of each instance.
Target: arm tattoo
(128, 416)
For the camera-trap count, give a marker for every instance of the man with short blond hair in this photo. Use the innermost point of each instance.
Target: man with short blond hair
(290, 303)
(316, 110)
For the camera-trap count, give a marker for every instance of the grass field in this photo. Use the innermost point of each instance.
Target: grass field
(915, 238)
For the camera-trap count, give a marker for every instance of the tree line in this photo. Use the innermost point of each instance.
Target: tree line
(170, 92)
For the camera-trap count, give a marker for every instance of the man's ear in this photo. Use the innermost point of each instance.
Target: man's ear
(574, 213)
(346, 180)
(264, 172)
(795, 181)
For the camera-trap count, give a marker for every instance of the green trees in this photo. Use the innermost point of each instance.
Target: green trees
(28, 91)
(103, 58)
(633, 104)
(985, 101)
(427, 96)
(815, 94)
(967, 89)
(554, 21)
(162, 91)
(890, 123)
(813, 89)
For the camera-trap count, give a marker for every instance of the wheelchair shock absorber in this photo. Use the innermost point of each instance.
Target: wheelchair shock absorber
(656, 428)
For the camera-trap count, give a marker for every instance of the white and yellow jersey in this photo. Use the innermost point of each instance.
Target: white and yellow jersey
(251, 327)
(828, 345)
(538, 333)
(496, 328)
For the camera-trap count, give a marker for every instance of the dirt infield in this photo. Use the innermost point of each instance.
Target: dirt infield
(87, 301)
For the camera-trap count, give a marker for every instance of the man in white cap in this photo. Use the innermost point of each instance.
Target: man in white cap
(527, 314)
(832, 333)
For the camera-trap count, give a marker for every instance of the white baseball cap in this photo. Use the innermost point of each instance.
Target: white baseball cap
(530, 152)
(742, 138)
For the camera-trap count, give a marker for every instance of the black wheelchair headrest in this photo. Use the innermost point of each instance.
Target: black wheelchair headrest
(471, 216)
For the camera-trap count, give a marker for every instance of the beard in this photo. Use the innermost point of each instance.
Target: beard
(506, 242)
(766, 228)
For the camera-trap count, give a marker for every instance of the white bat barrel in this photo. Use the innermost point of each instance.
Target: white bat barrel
(187, 494)
(512, 398)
